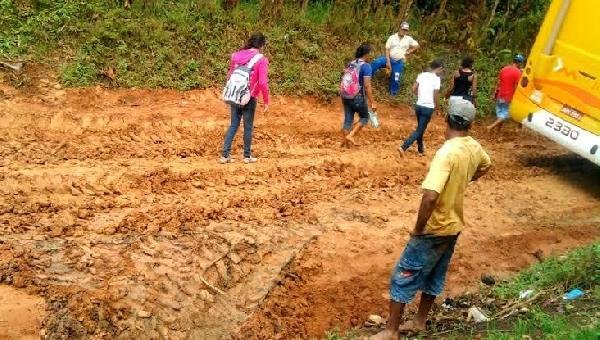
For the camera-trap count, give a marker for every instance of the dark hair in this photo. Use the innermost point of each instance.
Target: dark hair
(458, 123)
(467, 62)
(256, 40)
(362, 50)
(437, 63)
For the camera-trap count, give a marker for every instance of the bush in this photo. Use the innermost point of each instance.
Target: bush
(578, 269)
(186, 44)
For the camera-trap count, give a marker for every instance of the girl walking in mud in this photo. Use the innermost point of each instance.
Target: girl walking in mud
(357, 94)
(247, 79)
(463, 84)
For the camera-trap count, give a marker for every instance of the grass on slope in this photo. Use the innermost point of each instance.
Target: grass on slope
(186, 44)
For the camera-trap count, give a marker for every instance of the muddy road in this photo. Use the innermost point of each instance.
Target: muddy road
(114, 211)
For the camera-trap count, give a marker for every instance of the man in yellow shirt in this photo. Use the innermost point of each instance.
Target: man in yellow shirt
(424, 262)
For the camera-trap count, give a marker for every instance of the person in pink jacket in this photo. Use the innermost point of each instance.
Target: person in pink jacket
(259, 85)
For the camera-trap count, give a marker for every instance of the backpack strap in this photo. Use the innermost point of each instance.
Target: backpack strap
(254, 60)
(359, 63)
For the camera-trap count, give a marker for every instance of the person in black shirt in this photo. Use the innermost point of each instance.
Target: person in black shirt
(464, 82)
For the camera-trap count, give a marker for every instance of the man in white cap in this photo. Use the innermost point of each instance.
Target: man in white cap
(424, 262)
(397, 49)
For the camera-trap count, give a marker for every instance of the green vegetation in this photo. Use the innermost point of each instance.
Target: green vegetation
(353, 334)
(542, 325)
(186, 44)
(578, 269)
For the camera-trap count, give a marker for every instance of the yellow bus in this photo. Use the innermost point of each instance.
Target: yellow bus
(558, 95)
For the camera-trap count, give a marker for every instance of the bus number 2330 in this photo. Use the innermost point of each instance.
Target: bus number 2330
(562, 128)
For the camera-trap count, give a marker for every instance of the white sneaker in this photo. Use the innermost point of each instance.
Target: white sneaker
(225, 160)
(249, 160)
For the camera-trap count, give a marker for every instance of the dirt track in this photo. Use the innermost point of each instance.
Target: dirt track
(114, 209)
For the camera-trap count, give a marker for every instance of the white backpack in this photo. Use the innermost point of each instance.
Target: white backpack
(237, 88)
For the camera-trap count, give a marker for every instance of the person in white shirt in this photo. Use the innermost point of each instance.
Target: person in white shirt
(427, 89)
(397, 48)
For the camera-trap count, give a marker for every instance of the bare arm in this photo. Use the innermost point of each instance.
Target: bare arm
(495, 93)
(369, 90)
(412, 49)
(480, 172)
(388, 59)
(436, 99)
(414, 45)
(428, 202)
(474, 90)
(415, 88)
(451, 88)
(474, 86)
(485, 164)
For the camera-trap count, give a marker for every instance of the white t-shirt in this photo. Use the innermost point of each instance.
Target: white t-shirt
(398, 46)
(428, 83)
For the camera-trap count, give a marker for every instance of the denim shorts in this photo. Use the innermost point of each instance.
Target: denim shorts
(422, 266)
(502, 109)
(352, 106)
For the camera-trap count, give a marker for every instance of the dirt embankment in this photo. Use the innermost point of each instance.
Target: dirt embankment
(114, 209)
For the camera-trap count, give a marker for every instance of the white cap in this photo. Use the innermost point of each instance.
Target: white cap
(404, 25)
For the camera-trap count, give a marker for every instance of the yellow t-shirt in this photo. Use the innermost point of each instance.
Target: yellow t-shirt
(451, 170)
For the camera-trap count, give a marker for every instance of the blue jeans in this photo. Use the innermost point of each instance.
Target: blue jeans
(423, 117)
(237, 113)
(397, 71)
(422, 266)
(352, 106)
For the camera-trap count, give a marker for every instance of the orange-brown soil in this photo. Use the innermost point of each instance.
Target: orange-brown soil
(113, 209)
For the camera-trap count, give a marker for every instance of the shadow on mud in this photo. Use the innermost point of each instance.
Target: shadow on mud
(570, 167)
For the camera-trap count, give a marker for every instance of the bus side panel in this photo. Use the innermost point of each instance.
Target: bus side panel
(559, 93)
